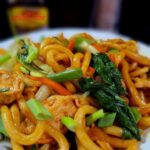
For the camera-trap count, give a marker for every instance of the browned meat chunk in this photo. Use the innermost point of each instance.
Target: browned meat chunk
(11, 87)
(60, 106)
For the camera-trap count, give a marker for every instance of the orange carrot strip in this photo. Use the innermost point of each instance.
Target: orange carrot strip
(99, 47)
(90, 71)
(112, 57)
(71, 44)
(54, 85)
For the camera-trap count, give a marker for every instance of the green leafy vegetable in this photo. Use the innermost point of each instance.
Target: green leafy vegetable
(38, 110)
(108, 73)
(94, 117)
(66, 75)
(30, 52)
(107, 93)
(26, 54)
(107, 120)
(126, 134)
(111, 102)
(69, 123)
(4, 89)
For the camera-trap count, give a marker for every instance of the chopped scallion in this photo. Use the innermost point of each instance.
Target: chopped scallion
(95, 116)
(24, 70)
(4, 89)
(107, 120)
(83, 44)
(136, 114)
(42, 66)
(4, 58)
(66, 75)
(38, 110)
(69, 123)
(32, 52)
(36, 74)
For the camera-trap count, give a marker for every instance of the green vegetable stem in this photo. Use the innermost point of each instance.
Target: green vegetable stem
(66, 75)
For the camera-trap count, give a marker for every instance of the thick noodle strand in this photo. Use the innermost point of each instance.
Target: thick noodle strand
(16, 135)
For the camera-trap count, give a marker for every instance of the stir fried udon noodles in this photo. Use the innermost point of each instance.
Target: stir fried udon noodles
(80, 92)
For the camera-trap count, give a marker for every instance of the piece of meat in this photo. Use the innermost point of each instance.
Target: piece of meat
(60, 106)
(14, 85)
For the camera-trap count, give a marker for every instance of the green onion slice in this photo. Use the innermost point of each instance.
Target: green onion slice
(4, 58)
(38, 110)
(4, 89)
(94, 117)
(69, 123)
(32, 53)
(136, 114)
(107, 120)
(24, 70)
(66, 75)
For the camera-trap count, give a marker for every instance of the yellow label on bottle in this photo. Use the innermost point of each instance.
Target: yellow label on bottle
(28, 18)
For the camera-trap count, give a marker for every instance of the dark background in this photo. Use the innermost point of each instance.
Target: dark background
(133, 17)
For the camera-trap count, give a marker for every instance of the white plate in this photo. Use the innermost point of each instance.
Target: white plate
(99, 34)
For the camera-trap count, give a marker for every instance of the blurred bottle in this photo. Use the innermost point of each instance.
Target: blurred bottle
(27, 15)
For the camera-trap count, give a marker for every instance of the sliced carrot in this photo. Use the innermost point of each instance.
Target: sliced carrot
(117, 57)
(90, 72)
(71, 44)
(99, 47)
(112, 57)
(54, 85)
